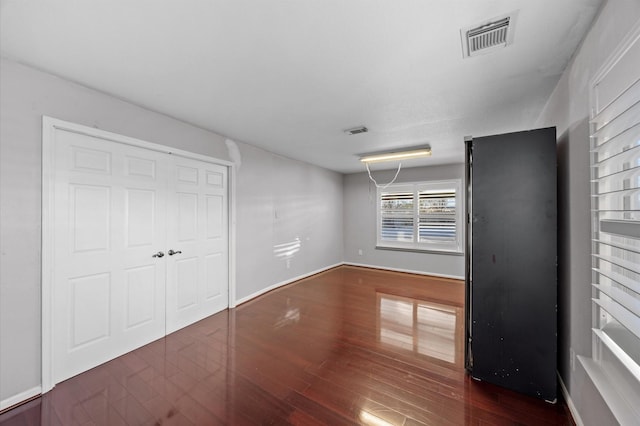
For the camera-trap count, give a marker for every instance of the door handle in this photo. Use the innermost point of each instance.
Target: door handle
(158, 254)
(171, 252)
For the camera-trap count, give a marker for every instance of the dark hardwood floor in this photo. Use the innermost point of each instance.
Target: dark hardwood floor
(347, 346)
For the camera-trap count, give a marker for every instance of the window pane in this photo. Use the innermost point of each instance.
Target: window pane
(437, 215)
(624, 200)
(396, 214)
(420, 216)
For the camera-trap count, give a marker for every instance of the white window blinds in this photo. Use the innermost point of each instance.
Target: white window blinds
(396, 212)
(421, 216)
(615, 192)
(437, 215)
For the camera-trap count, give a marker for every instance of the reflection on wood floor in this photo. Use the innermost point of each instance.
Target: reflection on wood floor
(428, 328)
(347, 346)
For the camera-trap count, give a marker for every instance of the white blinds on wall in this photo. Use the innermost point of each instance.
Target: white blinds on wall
(437, 215)
(396, 211)
(615, 139)
(420, 216)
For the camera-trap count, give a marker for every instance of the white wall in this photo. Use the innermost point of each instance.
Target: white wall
(568, 110)
(265, 183)
(360, 223)
(289, 220)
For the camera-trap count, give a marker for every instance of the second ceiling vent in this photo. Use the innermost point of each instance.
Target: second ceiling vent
(488, 36)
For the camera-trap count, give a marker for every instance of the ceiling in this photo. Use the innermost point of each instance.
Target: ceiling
(291, 75)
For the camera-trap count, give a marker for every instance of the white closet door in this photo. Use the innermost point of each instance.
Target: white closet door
(109, 292)
(197, 275)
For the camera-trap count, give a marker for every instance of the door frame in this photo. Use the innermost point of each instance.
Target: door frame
(49, 127)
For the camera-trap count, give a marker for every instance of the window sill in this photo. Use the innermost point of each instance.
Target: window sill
(623, 411)
(417, 250)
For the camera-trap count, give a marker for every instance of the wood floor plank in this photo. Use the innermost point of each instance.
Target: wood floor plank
(347, 346)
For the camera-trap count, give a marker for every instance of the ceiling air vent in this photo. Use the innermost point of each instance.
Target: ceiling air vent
(488, 36)
(356, 130)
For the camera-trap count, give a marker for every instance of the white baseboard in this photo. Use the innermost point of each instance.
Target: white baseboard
(572, 408)
(432, 274)
(283, 283)
(300, 277)
(21, 397)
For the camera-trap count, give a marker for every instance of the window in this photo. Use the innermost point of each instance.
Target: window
(420, 216)
(615, 193)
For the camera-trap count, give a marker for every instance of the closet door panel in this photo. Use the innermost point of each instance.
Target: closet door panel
(109, 204)
(197, 273)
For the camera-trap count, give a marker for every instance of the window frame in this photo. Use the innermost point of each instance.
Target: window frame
(441, 247)
(611, 367)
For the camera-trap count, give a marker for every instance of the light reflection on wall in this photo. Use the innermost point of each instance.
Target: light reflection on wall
(287, 250)
(428, 328)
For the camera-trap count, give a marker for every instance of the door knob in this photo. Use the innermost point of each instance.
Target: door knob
(158, 254)
(171, 252)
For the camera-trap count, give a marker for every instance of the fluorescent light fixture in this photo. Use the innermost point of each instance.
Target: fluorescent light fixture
(407, 154)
